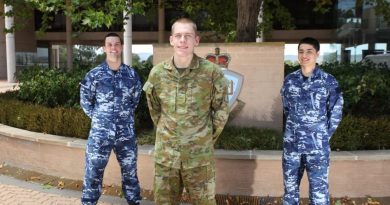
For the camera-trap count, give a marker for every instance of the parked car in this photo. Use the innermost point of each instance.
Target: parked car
(378, 59)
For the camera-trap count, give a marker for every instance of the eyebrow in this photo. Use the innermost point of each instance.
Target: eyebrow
(310, 49)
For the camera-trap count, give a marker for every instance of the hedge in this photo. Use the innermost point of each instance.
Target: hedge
(354, 132)
(62, 121)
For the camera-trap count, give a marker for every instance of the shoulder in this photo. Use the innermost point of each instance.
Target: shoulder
(292, 76)
(96, 71)
(159, 70)
(209, 67)
(326, 77)
(130, 70)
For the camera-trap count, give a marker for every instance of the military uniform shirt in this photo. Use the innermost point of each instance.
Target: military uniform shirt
(109, 95)
(313, 110)
(189, 110)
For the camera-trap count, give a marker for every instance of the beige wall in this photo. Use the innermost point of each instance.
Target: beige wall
(262, 65)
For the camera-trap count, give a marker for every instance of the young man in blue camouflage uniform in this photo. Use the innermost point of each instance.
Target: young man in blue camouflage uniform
(187, 99)
(109, 95)
(312, 102)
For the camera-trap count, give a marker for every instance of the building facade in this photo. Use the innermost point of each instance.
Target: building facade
(356, 30)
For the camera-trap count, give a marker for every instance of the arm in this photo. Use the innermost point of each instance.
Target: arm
(334, 107)
(219, 105)
(87, 95)
(137, 90)
(153, 102)
(284, 101)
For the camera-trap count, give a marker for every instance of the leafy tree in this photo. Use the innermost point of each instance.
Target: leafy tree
(238, 21)
(81, 15)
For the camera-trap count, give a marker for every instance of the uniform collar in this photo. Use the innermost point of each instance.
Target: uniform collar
(193, 65)
(108, 69)
(316, 73)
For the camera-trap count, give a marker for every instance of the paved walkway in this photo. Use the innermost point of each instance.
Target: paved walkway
(18, 192)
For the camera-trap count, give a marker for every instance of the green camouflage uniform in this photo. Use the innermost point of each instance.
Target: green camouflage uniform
(189, 110)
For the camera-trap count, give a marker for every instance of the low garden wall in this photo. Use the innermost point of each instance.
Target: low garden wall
(255, 173)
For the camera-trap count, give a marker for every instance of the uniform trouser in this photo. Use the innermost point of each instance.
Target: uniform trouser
(100, 143)
(199, 183)
(317, 168)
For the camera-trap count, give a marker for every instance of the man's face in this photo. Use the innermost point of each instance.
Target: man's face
(112, 47)
(183, 39)
(307, 55)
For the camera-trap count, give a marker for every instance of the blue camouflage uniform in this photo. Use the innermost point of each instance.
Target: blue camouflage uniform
(313, 110)
(110, 98)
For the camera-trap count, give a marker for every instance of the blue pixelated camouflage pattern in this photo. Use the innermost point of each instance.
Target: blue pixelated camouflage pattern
(110, 98)
(313, 110)
(317, 168)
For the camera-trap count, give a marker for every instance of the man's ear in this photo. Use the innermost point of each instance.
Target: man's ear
(197, 40)
(171, 40)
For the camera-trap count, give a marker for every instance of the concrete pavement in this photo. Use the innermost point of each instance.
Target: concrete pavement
(5, 86)
(17, 192)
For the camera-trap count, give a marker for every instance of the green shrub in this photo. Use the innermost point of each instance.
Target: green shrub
(240, 138)
(362, 133)
(58, 121)
(354, 133)
(365, 86)
(50, 87)
(57, 88)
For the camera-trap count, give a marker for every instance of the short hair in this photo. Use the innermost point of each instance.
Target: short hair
(185, 20)
(113, 35)
(311, 41)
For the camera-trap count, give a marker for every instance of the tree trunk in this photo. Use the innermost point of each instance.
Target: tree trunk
(247, 17)
(69, 44)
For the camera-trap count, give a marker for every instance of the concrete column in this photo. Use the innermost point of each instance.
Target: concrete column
(161, 21)
(10, 46)
(54, 56)
(127, 39)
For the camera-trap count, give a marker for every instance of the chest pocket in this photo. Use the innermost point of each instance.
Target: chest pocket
(318, 97)
(104, 90)
(200, 92)
(166, 92)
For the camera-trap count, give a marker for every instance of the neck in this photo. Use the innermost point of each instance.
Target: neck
(182, 62)
(114, 64)
(307, 70)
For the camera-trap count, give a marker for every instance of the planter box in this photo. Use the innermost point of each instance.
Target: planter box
(251, 173)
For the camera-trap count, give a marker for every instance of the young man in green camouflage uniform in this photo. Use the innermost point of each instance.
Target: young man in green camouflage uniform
(187, 99)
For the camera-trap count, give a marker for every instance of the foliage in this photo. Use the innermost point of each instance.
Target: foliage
(234, 138)
(57, 88)
(83, 15)
(23, 12)
(58, 121)
(85, 56)
(365, 86)
(50, 87)
(274, 11)
(354, 133)
(362, 133)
